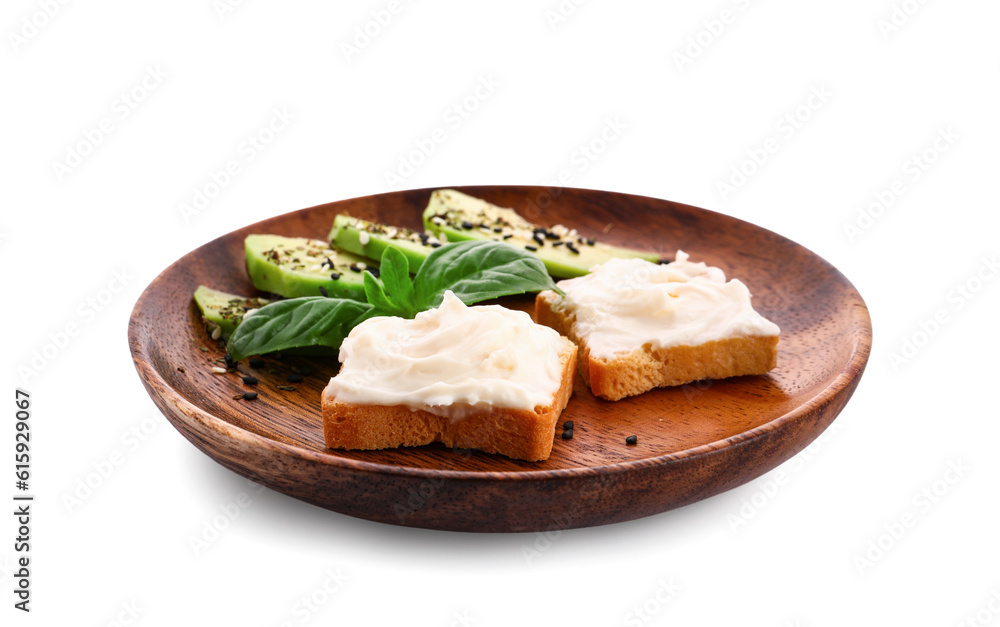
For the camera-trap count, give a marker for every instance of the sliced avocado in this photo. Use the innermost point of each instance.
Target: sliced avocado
(297, 266)
(223, 311)
(454, 216)
(362, 237)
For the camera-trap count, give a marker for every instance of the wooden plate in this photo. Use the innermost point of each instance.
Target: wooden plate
(694, 441)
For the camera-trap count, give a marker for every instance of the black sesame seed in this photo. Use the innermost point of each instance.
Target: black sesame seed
(466, 224)
(436, 245)
(508, 236)
(294, 378)
(550, 235)
(573, 249)
(335, 276)
(663, 262)
(539, 229)
(559, 243)
(355, 268)
(228, 359)
(568, 424)
(497, 229)
(591, 241)
(531, 248)
(250, 380)
(256, 362)
(327, 263)
(322, 290)
(374, 272)
(423, 238)
(631, 440)
(249, 396)
(567, 434)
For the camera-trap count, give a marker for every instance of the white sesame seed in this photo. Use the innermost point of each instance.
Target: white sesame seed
(216, 332)
(218, 370)
(438, 220)
(362, 265)
(248, 313)
(391, 232)
(364, 238)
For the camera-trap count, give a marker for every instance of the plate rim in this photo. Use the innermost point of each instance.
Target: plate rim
(849, 375)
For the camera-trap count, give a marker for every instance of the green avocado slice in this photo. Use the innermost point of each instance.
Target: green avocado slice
(223, 311)
(454, 216)
(369, 239)
(298, 266)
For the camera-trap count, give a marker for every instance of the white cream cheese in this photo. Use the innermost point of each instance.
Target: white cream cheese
(627, 303)
(451, 361)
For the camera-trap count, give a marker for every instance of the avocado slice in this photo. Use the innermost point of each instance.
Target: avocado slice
(454, 216)
(298, 266)
(369, 239)
(223, 311)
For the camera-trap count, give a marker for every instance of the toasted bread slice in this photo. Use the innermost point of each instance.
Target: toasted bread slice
(517, 433)
(646, 367)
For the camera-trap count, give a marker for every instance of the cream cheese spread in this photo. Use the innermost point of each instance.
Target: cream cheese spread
(451, 361)
(624, 304)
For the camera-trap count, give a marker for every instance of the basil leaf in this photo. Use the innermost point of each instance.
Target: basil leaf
(295, 323)
(394, 271)
(478, 270)
(392, 292)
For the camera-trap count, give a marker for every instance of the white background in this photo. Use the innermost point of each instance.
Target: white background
(763, 554)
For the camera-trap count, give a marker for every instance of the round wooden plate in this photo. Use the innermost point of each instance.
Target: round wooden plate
(694, 441)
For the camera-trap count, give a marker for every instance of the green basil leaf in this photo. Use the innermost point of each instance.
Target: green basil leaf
(376, 296)
(394, 271)
(478, 270)
(296, 323)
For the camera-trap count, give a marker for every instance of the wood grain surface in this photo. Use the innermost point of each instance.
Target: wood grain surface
(694, 441)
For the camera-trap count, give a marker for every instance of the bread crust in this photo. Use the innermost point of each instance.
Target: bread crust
(521, 434)
(645, 368)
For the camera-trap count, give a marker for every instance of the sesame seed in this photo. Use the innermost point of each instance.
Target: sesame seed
(218, 370)
(322, 290)
(568, 424)
(591, 241)
(228, 359)
(531, 248)
(335, 276)
(364, 238)
(559, 243)
(436, 245)
(294, 378)
(631, 440)
(508, 236)
(362, 265)
(567, 434)
(466, 224)
(423, 238)
(498, 229)
(249, 380)
(216, 332)
(573, 249)
(249, 396)
(538, 238)
(374, 272)
(354, 268)
(663, 262)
